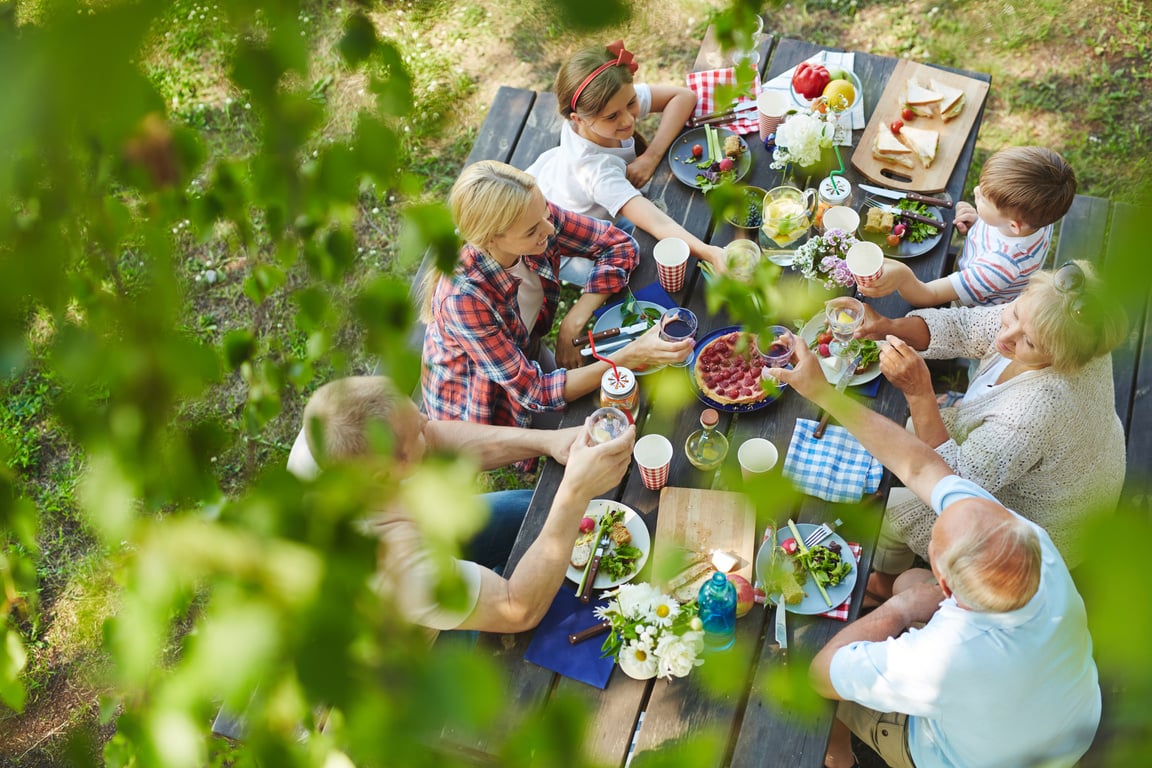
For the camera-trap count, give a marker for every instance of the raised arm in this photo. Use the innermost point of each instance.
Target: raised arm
(898, 277)
(519, 602)
(906, 455)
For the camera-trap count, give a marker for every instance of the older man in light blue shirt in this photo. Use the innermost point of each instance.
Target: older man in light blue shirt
(983, 661)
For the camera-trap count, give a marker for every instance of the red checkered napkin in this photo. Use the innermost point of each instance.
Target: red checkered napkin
(704, 84)
(840, 612)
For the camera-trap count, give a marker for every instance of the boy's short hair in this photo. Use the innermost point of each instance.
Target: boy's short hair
(1033, 185)
(338, 416)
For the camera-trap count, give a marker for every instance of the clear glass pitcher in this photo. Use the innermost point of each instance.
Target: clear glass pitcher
(788, 214)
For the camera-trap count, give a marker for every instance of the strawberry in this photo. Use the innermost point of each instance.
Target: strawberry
(907, 113)
(896, 125)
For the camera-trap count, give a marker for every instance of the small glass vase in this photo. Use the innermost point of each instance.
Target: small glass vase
(805, 176)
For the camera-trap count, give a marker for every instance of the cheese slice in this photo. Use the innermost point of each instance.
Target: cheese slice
(923, 142)
(952, 99)
(917, 95)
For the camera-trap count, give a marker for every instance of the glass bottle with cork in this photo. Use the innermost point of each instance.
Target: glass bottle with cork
(706, 447)
(833, 190)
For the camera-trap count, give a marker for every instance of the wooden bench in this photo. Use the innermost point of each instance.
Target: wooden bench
(1102, 232)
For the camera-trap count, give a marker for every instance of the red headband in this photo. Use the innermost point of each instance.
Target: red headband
(623, 59)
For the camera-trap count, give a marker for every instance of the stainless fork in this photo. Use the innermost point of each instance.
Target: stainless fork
(821, 533)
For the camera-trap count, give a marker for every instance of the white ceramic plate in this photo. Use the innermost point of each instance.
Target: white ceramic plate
(812, 602)
(640, 539)
(809, 333)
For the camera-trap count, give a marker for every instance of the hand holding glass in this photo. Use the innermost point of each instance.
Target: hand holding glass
(678, 324)
(607, 424)
(844, 315)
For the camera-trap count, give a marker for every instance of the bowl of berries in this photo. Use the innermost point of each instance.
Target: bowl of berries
(745, 209)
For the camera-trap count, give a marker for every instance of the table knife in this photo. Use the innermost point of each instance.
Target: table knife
(610, 333)
(594, 566)
(892, 194)
(589, 632)
(781, 624)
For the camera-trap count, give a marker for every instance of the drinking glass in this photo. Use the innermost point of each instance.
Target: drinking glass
(775, 346)
(844, 315)
(677, 324)
(607, 424)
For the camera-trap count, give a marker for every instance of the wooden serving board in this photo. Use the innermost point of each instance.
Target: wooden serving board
(702, 521)
(953, 133)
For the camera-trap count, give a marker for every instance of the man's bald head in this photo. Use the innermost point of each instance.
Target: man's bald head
(989, 557)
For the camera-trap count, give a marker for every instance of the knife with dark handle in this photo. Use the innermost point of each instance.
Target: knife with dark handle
(594, 567)
(610, 333)
(903, 214)
(892, 194)
(589, 632)
(841, 384)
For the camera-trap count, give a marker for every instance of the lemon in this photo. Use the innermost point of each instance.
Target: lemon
(845, 318)
(840, 94)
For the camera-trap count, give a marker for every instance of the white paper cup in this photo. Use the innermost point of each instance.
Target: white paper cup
(772, 106)
(865, 261)
(653, 454)
(671, 255)
(756, 456)
(841, 217)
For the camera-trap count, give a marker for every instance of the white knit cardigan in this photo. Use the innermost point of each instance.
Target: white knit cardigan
(1048, 445)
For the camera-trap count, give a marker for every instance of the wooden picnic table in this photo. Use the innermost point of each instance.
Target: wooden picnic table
(755, 729)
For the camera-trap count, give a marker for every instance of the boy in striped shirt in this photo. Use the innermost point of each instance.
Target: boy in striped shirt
(1023, 192)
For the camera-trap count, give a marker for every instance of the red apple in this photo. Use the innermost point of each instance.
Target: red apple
(745, 597)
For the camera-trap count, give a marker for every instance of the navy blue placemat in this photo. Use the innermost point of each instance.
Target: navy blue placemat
(651, 292)
(550, 647)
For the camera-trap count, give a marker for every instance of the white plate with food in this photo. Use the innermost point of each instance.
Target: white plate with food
(831, 365)
(606, 578)
(812, 602)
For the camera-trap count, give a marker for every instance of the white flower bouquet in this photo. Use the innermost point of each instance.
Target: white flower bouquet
(822, 258)
(652, 634)
(802, 138)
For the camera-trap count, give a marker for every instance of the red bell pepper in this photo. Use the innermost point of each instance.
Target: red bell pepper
(809, 79)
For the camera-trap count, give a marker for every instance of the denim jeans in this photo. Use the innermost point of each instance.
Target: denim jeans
(492, 545)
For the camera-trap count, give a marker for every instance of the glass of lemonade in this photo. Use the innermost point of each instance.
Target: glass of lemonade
(844, 315)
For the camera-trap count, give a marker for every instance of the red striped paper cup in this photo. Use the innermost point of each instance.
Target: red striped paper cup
(653, 454)
(771, 106)
(865, 261)
(671, 255)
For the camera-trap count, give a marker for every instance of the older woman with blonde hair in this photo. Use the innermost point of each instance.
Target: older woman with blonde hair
(1037, 427)
(483, 357)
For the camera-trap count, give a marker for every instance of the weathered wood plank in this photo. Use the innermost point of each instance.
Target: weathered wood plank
(1082, 231)
(499, 134)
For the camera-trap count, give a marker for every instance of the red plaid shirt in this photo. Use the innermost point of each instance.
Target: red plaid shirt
(476, 366)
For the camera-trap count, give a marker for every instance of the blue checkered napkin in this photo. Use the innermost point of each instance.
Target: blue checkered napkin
(834, 468)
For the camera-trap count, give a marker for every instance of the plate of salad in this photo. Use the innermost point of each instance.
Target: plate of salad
(784, 570)
(916, 239)
(816, 334)
(708, 156)
(627, 553)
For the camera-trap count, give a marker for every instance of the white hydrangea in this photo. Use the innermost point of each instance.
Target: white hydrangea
(678, 654)
(800, 140)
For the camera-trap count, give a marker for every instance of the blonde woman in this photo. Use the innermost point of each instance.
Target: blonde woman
(1037, 427)
(602, 164)
(483, 357)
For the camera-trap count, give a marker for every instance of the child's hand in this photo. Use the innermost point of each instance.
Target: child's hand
(965, 217)
(890, 280)
(640, 170)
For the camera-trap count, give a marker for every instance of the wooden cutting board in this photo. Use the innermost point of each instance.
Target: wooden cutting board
(703, 521)
(953, 133)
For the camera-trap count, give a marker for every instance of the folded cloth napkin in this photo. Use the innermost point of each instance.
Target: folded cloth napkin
(840, 612)
(651, 292)
(704, 85)
(550, 647)
(783, 82)
(834, 468)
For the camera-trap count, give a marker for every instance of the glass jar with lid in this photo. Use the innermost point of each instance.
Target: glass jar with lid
(833, 190)
(618, 389)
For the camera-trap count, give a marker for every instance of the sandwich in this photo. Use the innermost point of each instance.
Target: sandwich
(923, 142)
(887, 148)
(951, 99)
(922, 101)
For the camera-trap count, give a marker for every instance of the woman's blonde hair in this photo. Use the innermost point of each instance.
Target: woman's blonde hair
(597, 93)
(485, 202)
(1074, 326)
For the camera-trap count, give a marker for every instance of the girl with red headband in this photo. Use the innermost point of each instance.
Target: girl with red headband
(602, 164)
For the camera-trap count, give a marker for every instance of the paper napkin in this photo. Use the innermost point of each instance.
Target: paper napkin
(704, 85)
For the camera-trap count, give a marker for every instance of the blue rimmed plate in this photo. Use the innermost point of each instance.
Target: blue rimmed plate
(726, 407)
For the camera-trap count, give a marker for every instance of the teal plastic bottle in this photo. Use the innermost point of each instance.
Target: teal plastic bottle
(718, 612)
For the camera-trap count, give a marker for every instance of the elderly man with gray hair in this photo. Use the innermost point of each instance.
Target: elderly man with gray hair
(986, 659)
